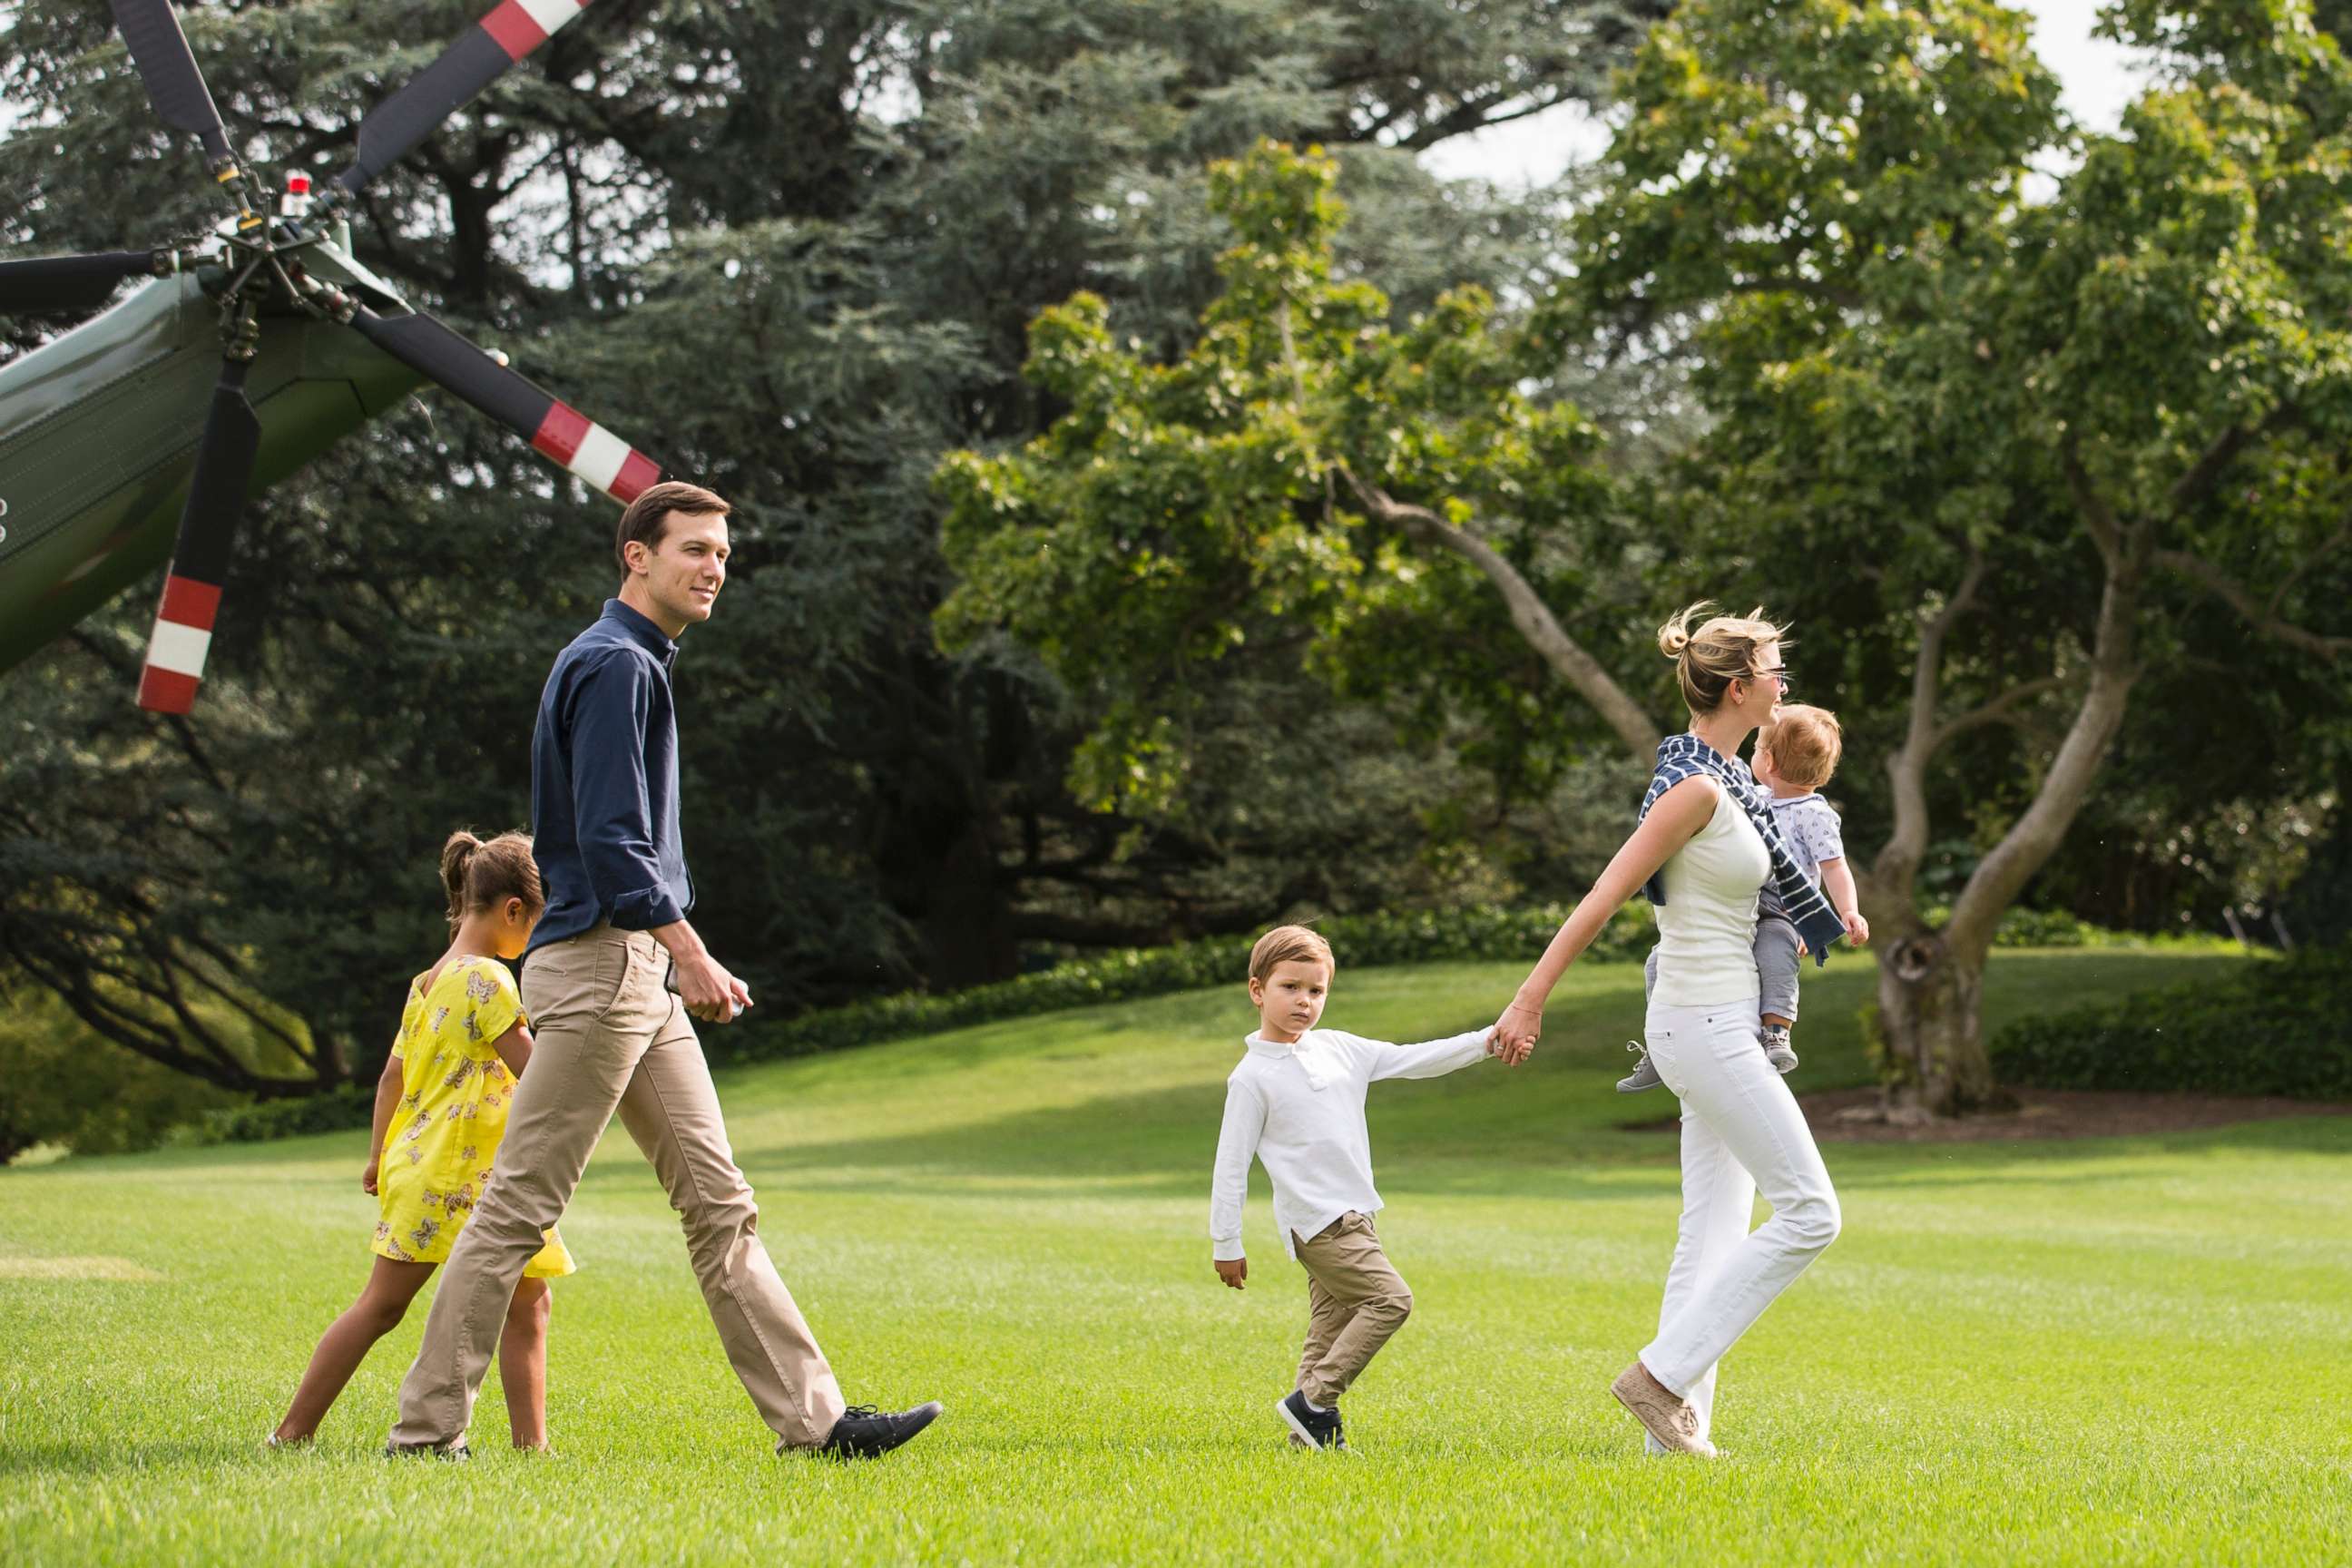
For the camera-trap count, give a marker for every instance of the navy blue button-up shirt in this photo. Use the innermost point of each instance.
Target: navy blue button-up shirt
(603, 783)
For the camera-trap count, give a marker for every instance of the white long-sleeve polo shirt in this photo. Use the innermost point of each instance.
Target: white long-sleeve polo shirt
(1299, 1110)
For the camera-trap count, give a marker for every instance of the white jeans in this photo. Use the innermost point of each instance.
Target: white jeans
(1741, 1130)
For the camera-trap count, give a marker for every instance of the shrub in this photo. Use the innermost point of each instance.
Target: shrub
(333, 1111)
(1362, 942)
(1487, 932)
(2281, 1028)
(1480, 933)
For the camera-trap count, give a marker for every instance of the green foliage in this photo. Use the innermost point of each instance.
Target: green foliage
(350, 1105)
(2280, 1029)
(60, 1084)
(1176, 511)
(792, 252)
(2082, 425)
(1359, 942)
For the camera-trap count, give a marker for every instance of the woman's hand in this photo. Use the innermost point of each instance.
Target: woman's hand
(367, 1179)
(1516, 1032)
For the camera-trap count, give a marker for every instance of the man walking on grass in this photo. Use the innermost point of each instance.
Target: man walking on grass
(612, 980)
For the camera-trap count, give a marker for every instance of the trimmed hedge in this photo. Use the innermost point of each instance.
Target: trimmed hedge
(2281, 1028)
(1361, 942)
(1478, 934)
(1482, 933)
(261, 1122)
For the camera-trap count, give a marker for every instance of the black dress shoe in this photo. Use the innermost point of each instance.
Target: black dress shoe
(864, 1432)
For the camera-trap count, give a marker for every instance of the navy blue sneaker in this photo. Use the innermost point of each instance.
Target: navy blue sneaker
(1308, 1428)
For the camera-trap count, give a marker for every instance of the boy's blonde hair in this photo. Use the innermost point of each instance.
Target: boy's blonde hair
(1287, 944)
(1805, 743)
(1721, 650)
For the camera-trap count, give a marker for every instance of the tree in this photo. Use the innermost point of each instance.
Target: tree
(1176, 511)
(849, 209)
(2045, 436)
(1953, 427)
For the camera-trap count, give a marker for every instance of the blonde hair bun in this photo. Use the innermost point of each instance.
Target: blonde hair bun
(1723, 649)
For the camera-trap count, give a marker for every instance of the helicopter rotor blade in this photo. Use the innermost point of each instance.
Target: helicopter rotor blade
(512, 30)
(560, 433)
(200, 558)
(168, 66)
(56, 285)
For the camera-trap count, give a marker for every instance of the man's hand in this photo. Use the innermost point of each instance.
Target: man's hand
(1232, 1271)
(367, 1179)
(1515, 1033)
(709, 993)
(1858, 930)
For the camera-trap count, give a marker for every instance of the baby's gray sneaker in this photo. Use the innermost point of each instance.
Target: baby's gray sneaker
(1775, 1041)
(1643, 1076)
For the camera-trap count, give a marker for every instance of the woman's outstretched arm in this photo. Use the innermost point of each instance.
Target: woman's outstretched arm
(1672, 822)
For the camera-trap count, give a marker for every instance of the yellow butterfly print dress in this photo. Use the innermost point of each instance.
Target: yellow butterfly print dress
(437, 1154)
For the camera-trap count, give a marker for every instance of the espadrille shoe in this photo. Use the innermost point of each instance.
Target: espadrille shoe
(1664, 1413)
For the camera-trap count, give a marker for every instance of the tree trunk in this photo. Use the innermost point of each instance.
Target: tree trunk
(1929, 996)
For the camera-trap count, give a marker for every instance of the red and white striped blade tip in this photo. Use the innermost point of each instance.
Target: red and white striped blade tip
(521, 25)
(177, 646)
(594, 454)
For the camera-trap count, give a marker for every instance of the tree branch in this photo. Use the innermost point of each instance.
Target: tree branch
(1529, 613)
(2258, 617)
(2206, 471)
(2027, 847)
(1998, 709)
(2098, 517)
(1906, 770)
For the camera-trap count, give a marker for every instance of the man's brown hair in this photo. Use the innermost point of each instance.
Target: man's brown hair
(644, 517)
(1285, 944)
(1805, 743)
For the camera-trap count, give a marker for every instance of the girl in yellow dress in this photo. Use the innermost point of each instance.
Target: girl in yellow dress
(440, 1108)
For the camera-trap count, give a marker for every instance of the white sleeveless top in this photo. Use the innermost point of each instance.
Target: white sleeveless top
(1707, 927)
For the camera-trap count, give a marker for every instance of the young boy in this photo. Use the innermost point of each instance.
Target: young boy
(1296, 1102)
(1796, 753)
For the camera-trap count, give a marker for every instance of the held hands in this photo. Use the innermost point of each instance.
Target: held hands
(1232, 1271)
(1515, 1033)
(709, 993)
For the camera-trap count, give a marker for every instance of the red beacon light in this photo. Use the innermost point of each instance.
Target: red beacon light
(296, 202)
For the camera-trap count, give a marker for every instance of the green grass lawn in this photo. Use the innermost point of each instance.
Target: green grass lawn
(2122, 1351)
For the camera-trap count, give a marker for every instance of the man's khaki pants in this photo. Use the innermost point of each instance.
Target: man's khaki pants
(1355, 1301)
(609, 1034)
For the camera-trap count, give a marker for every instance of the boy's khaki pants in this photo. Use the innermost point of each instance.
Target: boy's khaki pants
(1355, 1301)
(609, 1034)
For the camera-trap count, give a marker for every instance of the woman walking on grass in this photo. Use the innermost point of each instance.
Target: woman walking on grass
(440, 1110)
(1704, 846)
